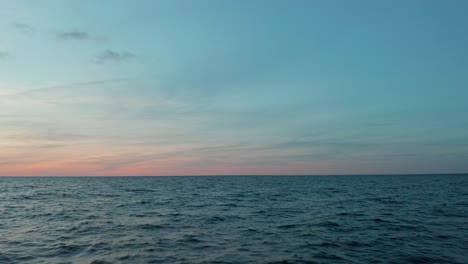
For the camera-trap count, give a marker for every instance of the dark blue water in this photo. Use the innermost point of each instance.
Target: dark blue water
(327, 219)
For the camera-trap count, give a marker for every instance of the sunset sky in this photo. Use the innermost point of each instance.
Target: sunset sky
(233, 87)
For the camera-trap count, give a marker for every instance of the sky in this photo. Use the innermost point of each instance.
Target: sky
(220, 87)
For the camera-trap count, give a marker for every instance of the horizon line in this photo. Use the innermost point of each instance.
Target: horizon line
(228, 175)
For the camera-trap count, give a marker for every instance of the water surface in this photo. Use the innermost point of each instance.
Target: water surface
(320, 219)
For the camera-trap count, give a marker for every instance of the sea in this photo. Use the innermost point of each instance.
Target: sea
(235, 219)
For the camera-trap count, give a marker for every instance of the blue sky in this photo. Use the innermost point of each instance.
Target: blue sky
(233, 87)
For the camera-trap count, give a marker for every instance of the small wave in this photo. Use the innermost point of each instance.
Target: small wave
(100, 262)
(126, 258)
(288, 226)
(151, 226)
(326, 244)
(356, 244)
(231, 205)
(191, 239)
(421, 259)
(327, 256)
(328, 224)
(351, 214)
(6, 259)
(68, 249)
(387, 200)
(380, 220)
(138, 190)
(445, 237)
(138, 215)
(290, 262)
(332, 190)
(216, 219)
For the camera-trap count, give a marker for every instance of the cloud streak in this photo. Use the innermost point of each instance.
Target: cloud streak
(65, 86)
(114, 56)
(22, 28)
(73, 35)
(4, 55)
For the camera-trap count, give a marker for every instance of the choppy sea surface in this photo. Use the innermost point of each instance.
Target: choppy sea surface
(317, 219)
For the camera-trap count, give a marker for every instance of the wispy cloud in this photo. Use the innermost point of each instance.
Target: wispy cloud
(4, 55)
(44, 146)
(114, 56)
(64, 86)
(73, 35)
(48, 135)
(23, 28)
